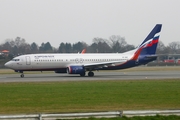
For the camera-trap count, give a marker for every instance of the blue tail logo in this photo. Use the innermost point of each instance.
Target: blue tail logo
(149, 45)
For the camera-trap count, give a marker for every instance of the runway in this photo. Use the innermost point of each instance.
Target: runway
(103, 75)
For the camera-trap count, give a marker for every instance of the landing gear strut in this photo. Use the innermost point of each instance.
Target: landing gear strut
(90, 74)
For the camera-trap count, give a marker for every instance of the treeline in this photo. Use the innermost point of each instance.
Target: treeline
(99, 45)
(114, 44)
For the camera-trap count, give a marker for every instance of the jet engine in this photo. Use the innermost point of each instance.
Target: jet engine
(75, 70)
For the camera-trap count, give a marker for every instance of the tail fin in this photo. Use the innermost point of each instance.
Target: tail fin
(149, 45)
(83, 51)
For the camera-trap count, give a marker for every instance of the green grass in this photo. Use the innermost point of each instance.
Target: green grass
(82, 96)
(157, 117)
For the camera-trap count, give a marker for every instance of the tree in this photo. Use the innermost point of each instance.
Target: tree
(79, 46)
(19, 42)
(34, 48)
(6, 46)
(128, 47)
(17, 46)
(93, 48)
(62, 48)
(160, 48)
(68, 47)
(175, 47)
(41, 48)
(46, 47)
(118, 43)
(101, 45)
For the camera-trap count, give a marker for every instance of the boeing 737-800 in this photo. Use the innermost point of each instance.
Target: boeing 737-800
(81, 63)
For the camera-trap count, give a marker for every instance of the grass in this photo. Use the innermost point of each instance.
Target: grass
(83, 96)
(157, 117)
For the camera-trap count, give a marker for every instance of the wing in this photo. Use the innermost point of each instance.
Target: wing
(94, 66)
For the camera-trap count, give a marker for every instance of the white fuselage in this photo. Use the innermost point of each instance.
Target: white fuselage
(56, 61)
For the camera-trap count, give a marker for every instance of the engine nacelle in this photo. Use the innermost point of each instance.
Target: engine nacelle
(75, 69)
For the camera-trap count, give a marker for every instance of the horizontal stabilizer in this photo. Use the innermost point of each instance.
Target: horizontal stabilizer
(151, 56)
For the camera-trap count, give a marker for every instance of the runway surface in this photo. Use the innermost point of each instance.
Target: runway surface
(107, 75)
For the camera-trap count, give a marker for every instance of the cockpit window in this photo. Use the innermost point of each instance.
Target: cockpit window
(15, 59)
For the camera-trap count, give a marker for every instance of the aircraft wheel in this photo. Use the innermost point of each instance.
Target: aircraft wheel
(90, 74)
(22, 75)
(83, 74)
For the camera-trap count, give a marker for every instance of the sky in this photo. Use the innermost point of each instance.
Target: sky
(57, 21)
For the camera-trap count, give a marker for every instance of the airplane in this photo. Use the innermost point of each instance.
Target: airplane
(89, 62)
(83, 51)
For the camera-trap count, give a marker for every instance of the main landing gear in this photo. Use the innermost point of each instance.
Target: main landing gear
(90, 74)
(83, 74)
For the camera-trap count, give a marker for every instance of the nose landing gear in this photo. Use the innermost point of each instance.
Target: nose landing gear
(22, 75)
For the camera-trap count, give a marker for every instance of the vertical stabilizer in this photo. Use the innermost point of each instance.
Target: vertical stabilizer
(149, 45)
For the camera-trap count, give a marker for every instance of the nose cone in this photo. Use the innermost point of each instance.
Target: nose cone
(7, 65)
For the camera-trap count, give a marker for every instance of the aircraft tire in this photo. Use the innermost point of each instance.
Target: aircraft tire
(83, 74)
(22, 75)
(90, 74)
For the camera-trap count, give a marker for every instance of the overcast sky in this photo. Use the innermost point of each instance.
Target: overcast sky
(57, 21)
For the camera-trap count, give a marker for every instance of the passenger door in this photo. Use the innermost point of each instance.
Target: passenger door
(28, 60)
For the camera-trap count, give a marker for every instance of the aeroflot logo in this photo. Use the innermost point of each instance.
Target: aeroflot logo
(150, 42)
(43, 56)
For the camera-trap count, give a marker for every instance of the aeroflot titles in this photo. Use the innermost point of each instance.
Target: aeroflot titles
(44, 56)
